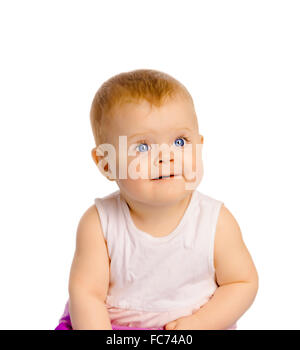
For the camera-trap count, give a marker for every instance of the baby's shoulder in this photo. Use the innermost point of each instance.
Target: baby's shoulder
(228, 233)
(108, 203)
(89, 228)
(226, 220)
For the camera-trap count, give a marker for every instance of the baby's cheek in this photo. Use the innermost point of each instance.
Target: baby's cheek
(138, 168)
(193, 166)
(134, 172)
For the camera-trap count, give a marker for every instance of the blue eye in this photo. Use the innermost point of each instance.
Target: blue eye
(180, 142)
(142, 147)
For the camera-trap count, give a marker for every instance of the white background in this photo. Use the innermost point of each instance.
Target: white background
(240, 62)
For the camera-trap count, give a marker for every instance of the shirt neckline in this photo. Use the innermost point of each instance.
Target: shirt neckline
(148, 236)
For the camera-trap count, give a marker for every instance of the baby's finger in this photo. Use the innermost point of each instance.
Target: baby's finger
(170, 326)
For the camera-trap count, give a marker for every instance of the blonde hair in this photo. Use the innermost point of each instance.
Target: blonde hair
(151, 85)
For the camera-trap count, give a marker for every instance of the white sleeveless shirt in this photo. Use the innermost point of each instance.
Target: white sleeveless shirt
(155, 280)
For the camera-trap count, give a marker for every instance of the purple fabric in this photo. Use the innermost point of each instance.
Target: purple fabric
(66, 325)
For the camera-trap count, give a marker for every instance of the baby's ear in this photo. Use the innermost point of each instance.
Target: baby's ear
(102, 165)
(94, 156)
(200, 138)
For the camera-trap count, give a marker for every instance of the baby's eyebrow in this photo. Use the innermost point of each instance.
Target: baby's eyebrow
(149, 132)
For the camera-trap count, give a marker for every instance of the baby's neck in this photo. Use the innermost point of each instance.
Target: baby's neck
(158, 220)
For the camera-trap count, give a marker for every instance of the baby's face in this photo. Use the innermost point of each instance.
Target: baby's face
(174, 128)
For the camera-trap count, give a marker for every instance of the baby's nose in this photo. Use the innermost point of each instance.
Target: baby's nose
(165, 156)
(166, 160)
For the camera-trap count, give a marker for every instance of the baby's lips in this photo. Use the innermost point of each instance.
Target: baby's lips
(155, 178)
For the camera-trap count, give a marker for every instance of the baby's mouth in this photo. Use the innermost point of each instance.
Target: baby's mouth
(163, 177)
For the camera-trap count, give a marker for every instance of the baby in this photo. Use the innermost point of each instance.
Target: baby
(156, 253)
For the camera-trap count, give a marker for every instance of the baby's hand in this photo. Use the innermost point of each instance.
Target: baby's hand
(190, 322)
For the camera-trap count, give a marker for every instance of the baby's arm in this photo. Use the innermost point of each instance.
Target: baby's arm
(89, 275)
(236, 277)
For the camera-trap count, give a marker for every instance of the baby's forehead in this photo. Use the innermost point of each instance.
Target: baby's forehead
(137, 117)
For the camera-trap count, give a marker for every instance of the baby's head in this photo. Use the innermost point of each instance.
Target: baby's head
(147, 122)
